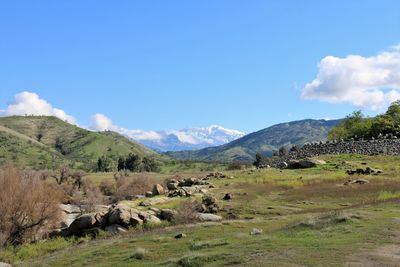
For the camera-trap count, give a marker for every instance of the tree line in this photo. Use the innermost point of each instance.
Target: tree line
(357, 126)
(131, 162)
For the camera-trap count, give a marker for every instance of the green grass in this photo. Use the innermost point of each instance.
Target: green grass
(312, 221)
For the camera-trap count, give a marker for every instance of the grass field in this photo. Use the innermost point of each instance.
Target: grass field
(308, 218)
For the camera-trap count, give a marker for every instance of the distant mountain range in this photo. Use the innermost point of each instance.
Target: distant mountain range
(186, 139)
(265, 141)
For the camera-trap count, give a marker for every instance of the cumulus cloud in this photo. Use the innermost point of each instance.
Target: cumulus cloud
(28, 103)
(366, 82)
(101, 122)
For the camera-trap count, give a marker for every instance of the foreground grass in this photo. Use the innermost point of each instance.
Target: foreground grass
(296, 210)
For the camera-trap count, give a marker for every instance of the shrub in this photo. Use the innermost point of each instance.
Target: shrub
(235, 166)
(128, 186)
(107, 187)
(187, 212)
(28, 206)
(93, 196)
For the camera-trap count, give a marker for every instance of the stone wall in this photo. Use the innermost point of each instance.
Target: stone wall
(364, 147)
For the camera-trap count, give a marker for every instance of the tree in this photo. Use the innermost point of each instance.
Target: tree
(104, 164)
(133, 163)
(259, 160)
(150, 164)
(121, 163)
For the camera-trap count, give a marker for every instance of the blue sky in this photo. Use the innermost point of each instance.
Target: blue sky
(157, 65)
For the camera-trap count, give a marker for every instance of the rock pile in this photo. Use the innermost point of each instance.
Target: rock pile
(116, 219)
(209, 204)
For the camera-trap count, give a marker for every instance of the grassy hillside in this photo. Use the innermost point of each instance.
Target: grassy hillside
(265, 141)
(42, 140)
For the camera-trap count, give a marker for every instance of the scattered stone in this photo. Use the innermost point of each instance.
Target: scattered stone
(149, 194)
(158, 190)
(179, 236)
(227, 196)
(3, 264)
(256, 231)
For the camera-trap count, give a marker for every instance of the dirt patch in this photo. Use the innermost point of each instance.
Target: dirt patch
(387, 255)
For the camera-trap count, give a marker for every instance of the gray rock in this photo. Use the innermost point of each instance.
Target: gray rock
(158, 190)
(3, 264)
(167, 214)
(124, 215)
(208, 217)
(256, 231)
(83, 222)
(116, 229)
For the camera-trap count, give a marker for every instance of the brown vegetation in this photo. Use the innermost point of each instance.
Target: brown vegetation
(28, 206)
(187, 212)
(128, 186)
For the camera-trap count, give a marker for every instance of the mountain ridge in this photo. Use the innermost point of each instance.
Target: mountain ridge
(265, 141)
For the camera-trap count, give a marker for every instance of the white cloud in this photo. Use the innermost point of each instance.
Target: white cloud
(366, 82)
(100, 123)
(28, 103)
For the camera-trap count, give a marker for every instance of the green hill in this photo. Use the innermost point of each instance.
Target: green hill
(42, 141)
(265, 141)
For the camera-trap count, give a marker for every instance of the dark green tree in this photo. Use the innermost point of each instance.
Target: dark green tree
(150, 165)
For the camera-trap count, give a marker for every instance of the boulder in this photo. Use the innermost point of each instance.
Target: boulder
(172, 184)
(149, 194)
(116, 229)
(167, 214)
(208, 217)
(83, 222)
(304, 163)
(152, 219)
(158, 190)
(3, 264)
(124, 215)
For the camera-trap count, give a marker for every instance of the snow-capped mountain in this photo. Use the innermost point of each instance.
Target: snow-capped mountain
(186, 139)
(173, 140)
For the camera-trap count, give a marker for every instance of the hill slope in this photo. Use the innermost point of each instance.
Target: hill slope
(43, 141)
(265, 141)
